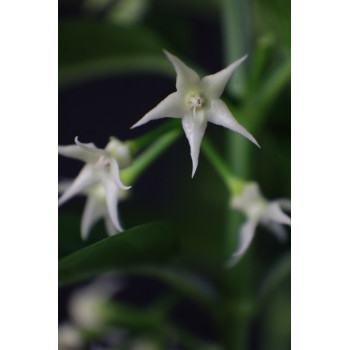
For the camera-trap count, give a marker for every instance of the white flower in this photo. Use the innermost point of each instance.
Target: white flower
(86, 305)
(99, 180)
(69, 337)
(96, 208)
(258, 210)
(197, 101)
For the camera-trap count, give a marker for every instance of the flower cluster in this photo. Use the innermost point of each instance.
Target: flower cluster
(197, 102)
(99, 180)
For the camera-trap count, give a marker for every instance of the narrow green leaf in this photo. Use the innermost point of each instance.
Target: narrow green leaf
(91, 48)
(140, 245)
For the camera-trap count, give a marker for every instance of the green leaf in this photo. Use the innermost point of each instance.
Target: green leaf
(91, 48)
(138, 246)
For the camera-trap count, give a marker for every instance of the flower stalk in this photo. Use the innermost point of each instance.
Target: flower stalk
(138, 144)
(141, 163)
(234, 183)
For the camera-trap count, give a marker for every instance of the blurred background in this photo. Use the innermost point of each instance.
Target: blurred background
(111, 72)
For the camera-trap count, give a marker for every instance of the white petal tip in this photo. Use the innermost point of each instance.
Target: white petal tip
(76, 140)
(194, 169)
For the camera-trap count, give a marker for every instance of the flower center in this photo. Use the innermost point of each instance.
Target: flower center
(103, 163)
(195, 100)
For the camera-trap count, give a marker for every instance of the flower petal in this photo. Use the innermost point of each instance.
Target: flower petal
(63, 185)
(214, 84)
(186, 77)
(277, 229)
(115, 174)
(246, 235)
(194, 127)
(91, 148)
(111, 230)
(76, 152)
(170, 107)
(274, 213)
(219, 114)
(86, 178)
(284, 203)
(111, 190)
(93, 211)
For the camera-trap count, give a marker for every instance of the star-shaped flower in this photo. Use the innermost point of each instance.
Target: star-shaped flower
(99, 180)
(257, 209)
(197, 101)
(96, 208)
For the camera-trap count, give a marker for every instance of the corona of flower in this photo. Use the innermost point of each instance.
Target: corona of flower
(257, 209)
(99, 180)
(197, 101)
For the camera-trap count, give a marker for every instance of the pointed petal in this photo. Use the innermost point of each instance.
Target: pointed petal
(91, 148)
(76, 152)
(214, 84)
(111, 230)
(275, 213)
(115, 174)
(186, 77)
(194, 127)
(219, 114)
(284, 203)
(277, 229)
(111, 190)
(63, 185)
(86, 178)
(172, 106)
(93, 211)
(246, 235)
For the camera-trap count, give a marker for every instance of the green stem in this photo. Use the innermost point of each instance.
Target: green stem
(139, 143)
(236, 35)
(273, 86)
(141, 163)
(234, 183)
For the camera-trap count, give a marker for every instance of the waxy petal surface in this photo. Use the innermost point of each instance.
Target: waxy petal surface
(215, 84)
(186, 77)
(86, 178)
(194, 127)
(76, 152)
(170, 107)
(93, 211)
(219, 114)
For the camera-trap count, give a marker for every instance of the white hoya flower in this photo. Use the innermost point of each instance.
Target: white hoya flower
(95, 208)
(69, 337)
(197, 101)
(257, 209)
(87, 304)
(99, 180)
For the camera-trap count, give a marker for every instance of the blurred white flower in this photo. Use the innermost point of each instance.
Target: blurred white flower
(96, 208)
(99, 180)
(197, 101)
(69, 337)
(257, 209)
(86, 305)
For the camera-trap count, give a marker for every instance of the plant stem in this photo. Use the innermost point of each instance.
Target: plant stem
(141, 163)
(233, 183)
(139, 143)
(236, 35)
